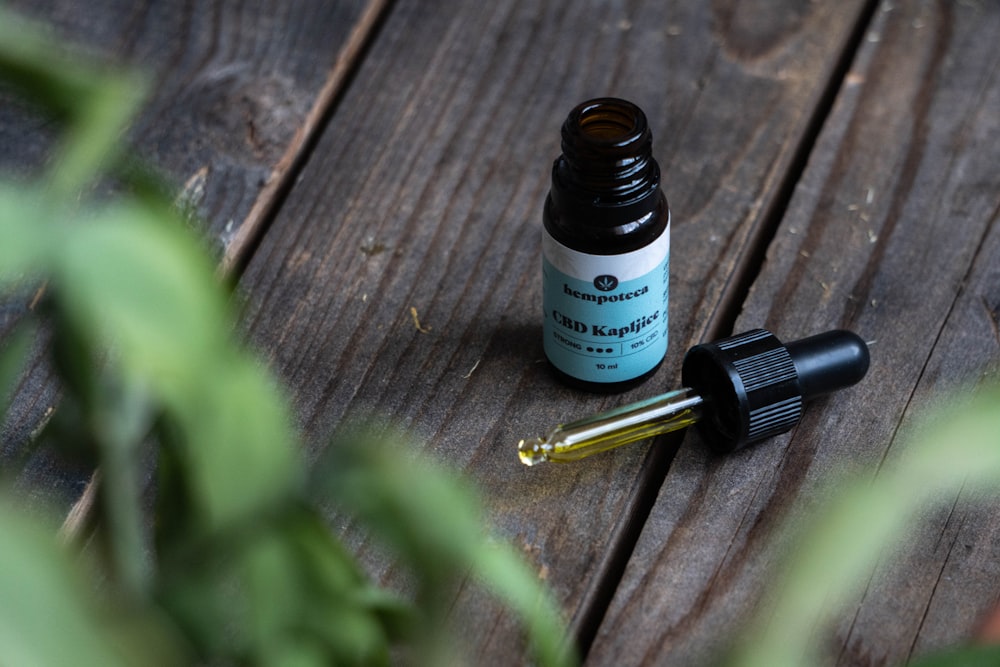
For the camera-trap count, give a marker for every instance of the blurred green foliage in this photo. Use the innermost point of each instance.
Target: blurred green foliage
(833, 551)
(241, 567)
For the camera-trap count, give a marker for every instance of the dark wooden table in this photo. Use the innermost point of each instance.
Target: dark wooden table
(828, 164)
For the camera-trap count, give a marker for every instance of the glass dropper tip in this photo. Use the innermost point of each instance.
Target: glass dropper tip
(614, 428)
(532, 451)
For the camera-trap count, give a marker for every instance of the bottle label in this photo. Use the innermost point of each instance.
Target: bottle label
(605, 315)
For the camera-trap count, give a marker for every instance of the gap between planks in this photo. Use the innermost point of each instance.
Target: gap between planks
(585, 625)
(723, 320)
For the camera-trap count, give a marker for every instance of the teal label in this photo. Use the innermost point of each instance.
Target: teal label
(605, 315)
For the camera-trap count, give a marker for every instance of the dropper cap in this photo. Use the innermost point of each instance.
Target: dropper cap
(754, 386)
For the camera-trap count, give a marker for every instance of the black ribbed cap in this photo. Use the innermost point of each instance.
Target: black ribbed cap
(754, 386)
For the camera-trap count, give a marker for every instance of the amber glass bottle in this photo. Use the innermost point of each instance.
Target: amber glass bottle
(606, 248)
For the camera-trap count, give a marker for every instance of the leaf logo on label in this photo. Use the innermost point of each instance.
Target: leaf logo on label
(605, 283)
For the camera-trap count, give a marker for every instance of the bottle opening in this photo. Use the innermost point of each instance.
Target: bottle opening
(610, 121)
(607, 159)
(606, 123)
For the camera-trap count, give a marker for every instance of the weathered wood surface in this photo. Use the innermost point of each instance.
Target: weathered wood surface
(894, 232)
(425, 194)
(400, 276)
(239, 92)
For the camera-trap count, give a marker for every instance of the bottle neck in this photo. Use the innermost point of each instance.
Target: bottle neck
(606, 176)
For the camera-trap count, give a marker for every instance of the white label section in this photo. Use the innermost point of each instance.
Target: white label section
(626, 266)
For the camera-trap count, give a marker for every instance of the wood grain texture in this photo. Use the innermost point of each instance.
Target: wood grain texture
(894, 231)
(239, 92)
(424, 195)
(233, 87)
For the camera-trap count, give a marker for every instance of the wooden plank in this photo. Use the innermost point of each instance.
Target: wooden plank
(894, 231)
(425, 196)
(239, 93)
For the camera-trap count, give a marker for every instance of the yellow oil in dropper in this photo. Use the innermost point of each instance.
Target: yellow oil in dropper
(607, 430)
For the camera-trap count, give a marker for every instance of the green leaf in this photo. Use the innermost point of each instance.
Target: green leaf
(29, 63)
(342, 609)
(272, 587)
(137, 281)
(134, 277)
(433, 522)
(93, 140)
(27, 235)
(47, 616)
(121, 421)
(94, 102)
(503, 572)
(963, 656)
